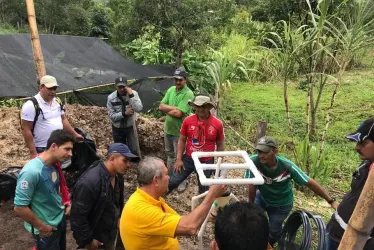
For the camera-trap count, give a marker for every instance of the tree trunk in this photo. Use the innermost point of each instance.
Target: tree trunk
(362, 220)
(179, 51)
(37, 50)
(261, 129)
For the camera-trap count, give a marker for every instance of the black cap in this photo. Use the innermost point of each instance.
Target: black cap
(364, 131)
(180, 73)
(266, 143)
(121, 81)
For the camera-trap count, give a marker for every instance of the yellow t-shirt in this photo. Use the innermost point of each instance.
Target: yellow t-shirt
(148, 224)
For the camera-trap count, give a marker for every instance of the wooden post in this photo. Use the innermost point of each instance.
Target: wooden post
(35, 42)
(261, 129)
(362, 220)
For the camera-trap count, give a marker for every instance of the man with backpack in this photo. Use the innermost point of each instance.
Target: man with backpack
(42, 114)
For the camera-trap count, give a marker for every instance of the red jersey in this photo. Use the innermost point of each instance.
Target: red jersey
(202, 136)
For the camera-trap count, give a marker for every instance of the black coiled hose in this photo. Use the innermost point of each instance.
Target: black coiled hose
(301, 221)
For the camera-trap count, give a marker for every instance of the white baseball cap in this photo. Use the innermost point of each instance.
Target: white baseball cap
(48, 81)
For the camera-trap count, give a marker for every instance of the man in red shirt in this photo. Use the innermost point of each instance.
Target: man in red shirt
(201, 132)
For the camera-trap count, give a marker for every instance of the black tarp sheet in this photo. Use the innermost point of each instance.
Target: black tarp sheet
(76, 62)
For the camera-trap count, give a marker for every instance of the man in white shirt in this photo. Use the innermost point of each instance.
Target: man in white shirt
(43, 114)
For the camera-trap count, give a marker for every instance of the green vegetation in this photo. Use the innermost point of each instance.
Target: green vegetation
(247, 103)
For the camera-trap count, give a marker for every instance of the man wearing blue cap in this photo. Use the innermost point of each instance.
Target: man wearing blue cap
(96, 200)
(364, 138)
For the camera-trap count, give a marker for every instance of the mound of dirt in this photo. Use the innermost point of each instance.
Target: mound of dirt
(94, 120)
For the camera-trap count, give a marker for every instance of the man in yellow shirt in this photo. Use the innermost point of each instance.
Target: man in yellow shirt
(148, 223)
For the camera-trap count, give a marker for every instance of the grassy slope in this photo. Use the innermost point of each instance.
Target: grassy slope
(247, 103)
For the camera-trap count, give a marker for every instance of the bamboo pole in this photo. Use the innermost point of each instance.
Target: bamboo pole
(35, 42)
(362, 220)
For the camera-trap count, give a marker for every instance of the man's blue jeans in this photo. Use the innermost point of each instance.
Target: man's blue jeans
(276, 215)
(189, 168)
(331, 244)
(171, 142)
(57, 241)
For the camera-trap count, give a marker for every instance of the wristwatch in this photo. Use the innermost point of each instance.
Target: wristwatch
(331, 201)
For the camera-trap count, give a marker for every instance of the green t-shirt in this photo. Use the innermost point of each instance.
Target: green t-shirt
(38, 187)
(277, 189)
(180, 100)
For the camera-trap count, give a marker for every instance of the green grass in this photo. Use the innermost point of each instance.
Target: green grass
(248, 103)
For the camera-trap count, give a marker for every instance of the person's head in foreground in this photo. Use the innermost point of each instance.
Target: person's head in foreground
(241, 226)
(153, 175)
(119, 158)
(267, 149)
(364, 138)
(59, 145)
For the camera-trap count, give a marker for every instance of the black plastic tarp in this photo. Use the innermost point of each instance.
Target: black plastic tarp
(76, 62)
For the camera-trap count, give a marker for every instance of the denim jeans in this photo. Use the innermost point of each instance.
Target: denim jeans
(277, 216)
(57, 241)
(171, 142)
(125, 136)
(331, 244)
(189, 168)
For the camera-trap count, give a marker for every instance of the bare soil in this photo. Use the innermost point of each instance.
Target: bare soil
(95, 121)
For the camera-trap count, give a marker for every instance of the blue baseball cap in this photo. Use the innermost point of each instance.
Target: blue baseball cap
(122, 149)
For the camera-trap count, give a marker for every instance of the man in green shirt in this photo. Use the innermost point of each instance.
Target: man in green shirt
(275, 196)
(175, 106)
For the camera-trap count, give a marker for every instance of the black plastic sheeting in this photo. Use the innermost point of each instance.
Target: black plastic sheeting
(76, 62)
(150, 92)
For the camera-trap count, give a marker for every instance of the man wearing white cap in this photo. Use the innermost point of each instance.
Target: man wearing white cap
(43, 114)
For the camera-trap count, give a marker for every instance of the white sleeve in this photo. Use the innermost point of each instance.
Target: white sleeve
(28, 111)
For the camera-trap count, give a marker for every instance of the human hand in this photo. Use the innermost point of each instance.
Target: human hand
(217, 190)
(67, 209)
(334, 205)
(129, 90)
(79, 137)
(33, 155)
(129, 111)
(94, 245)
(178, 166)
(46, 230)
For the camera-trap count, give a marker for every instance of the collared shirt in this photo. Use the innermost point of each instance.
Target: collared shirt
(277, 189)
(148, 224)
(180, 100)
(48, 121)
(38, 187)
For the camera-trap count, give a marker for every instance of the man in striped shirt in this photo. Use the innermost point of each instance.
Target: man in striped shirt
(275, 196)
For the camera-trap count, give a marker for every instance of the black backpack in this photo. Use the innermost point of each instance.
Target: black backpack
(8, 182)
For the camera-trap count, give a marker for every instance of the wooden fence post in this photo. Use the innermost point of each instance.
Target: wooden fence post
(35, 42)
(261, 130)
